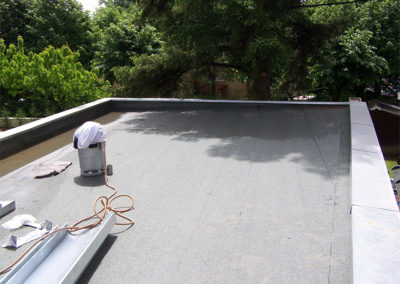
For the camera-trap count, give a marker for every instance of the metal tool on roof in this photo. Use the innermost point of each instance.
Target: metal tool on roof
(6, 206)
(62, 257)
(90, 139)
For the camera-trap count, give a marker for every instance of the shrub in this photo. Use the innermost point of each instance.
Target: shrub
(52, 80)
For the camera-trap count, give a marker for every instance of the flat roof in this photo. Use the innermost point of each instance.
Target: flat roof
(235, 194)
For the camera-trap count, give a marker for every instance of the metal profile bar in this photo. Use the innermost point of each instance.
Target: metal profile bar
(6, 207)
(62, 258)
(33, 259)
(375, 215)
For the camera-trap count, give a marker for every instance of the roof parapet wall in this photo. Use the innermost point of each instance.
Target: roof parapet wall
(22, 137)
(375, 215)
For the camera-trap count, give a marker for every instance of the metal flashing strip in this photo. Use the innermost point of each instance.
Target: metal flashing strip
(376, 252)
(132, 104)
(238, 102)
(359, 114)
(375, 215)
(371, 185)
(6, 207)
(62, 257)
(364, 138)
(22, 137)
(52, 118)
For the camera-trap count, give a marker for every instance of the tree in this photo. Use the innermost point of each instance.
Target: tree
(42, 23)
(350, 65)
(367, 50)
(264, 40)
(61, 22)
(155, 75)
(119, 35)
(15, 16)
(50, 81)
(381, 18)
(117, 3)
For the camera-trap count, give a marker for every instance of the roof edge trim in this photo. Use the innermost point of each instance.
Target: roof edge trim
(375, 214)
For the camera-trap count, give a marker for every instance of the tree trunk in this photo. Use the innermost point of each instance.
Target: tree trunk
(377, 88)
(211, 84)
(335, 94)
(262, 80)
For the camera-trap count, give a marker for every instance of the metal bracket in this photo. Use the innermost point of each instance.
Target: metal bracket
(6, 207)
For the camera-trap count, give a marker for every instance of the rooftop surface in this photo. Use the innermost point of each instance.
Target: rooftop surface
(236, 195)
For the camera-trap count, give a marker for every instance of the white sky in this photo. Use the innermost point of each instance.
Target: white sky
(90, 5)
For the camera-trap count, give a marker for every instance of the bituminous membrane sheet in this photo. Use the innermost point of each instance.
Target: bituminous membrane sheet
(222, 196)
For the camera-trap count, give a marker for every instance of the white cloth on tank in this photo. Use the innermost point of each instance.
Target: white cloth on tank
(89, 133)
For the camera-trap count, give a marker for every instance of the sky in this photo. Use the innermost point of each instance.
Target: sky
(90, 5)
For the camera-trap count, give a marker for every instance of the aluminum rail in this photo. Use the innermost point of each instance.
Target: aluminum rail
(6, 206)
(62, 257)
(375, 215)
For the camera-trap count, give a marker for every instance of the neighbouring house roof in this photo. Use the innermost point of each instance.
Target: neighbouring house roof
(388, 108)
(226, 191)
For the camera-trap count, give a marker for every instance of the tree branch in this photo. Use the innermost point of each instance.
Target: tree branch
(329, 4)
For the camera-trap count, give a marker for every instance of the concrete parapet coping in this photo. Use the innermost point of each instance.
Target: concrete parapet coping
(22, 137)
(51, 119)
(120, 104)
(375, 215)
(222, 102)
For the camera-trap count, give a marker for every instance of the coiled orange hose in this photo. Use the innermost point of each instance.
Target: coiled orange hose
(106, 207)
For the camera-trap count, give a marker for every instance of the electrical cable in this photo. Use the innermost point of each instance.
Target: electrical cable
(105, 202)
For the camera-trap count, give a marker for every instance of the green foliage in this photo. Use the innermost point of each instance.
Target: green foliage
(339, 47)
(389, 165)
(265, 40)
(119, 35)
(382, 19)
(42, 23)
(19, 114)
(156, 75)
(366, 50)
(149, 48)
(350, 65)
(4, 115)
(49, 81)
(14, 18)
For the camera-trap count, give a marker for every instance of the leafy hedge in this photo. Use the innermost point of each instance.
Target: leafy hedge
(155, 75)
(42, 83)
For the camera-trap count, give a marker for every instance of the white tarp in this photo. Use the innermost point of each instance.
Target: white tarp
(16, 242)
(89, 133)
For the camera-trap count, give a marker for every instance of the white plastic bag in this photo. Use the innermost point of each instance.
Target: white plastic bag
(19, 221)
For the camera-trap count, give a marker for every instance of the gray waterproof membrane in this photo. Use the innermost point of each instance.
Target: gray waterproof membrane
(236, 195)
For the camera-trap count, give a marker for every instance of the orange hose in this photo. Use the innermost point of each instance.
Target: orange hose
(105, 208)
